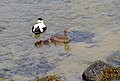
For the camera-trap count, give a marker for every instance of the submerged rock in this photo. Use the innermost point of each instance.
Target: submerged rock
(114, 58)
(77, 36)
(86, 37)
(51, 78)
(101, 71)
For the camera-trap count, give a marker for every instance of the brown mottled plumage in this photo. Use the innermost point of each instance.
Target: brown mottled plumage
(61, 38)
(55, 39)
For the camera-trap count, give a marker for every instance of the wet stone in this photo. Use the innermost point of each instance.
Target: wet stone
(112, 73)
(51, 78)
(114, 58)
(86, 37)
(101, 71)
(94, 70)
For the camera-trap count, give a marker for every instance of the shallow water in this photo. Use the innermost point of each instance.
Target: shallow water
(20, 58)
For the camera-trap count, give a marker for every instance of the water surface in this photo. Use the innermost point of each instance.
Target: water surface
(20, 58)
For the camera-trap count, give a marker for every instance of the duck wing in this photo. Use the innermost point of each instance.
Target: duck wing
(61, 37)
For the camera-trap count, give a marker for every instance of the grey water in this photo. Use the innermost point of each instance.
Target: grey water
(96, 33)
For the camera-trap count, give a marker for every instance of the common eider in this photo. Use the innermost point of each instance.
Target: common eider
(65, 38)
(40, 27)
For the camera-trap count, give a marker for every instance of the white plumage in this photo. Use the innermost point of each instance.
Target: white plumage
(40, 27)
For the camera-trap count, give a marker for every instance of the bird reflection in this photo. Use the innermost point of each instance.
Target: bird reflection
(41, 43)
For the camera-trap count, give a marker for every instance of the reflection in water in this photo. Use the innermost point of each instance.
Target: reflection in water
(37, 35)
(89, 19)
(67, 47)
(41, 43)
(75, 36)
(61, 39)
(114, 58)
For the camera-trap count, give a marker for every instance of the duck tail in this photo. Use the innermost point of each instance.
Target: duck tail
(43, 42)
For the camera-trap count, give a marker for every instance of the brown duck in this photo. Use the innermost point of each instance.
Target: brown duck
(65, 38)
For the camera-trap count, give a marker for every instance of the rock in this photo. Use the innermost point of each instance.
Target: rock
(51, 78)
(114, 58)
(101, 71)
(112, 73)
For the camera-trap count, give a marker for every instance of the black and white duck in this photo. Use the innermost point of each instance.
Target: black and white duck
(39, 27)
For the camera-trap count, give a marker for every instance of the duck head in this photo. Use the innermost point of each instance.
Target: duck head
(39, 20)
(66, 30)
